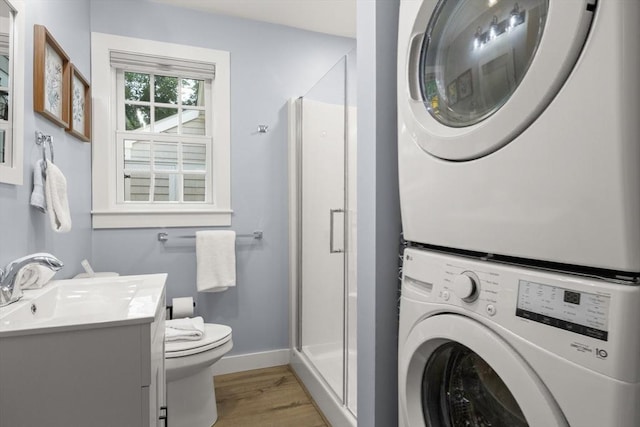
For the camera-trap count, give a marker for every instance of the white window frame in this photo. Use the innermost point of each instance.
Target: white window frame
(108, 211)
(11, 171)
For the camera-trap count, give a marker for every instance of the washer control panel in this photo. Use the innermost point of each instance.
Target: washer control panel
(500, 293)
(580, 312)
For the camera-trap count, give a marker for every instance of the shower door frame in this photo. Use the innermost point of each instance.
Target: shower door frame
(333, 406)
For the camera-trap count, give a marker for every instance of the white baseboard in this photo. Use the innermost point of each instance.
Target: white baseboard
(249, 361)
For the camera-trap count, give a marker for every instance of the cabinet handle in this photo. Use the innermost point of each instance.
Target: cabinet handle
(164, 416)
(331, 213)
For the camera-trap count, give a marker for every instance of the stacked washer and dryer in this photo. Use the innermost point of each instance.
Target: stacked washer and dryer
(519, 157)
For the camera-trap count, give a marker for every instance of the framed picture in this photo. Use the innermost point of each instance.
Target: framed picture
(452, 92)
(79, 106)
(51, 69)
(465, 85)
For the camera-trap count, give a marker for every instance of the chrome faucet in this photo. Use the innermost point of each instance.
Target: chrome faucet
(10, 291)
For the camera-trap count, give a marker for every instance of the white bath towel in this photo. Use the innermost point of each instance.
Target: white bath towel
(215, 260)
(190, 329)
(57, 199)
(37, 195)
(34, 276)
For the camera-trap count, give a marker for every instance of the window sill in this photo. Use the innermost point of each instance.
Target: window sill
(153, 219)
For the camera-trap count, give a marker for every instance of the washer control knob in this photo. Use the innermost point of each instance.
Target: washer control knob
(491, 310)
(465, 286)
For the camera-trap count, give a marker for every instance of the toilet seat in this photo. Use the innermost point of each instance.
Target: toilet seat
(214, 336)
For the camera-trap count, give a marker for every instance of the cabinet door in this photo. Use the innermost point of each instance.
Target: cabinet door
(157, 400)
(157, 387)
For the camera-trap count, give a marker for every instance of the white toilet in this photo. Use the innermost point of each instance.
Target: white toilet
(191, 397)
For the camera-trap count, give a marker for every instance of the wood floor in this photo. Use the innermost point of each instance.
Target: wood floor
(265, 398)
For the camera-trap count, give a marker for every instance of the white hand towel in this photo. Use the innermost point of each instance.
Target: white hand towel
(37, 196)
(191, 329)
(34, 276)
(215, 260)
(57, 199)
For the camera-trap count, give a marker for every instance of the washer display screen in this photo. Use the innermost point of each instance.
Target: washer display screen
(580, 312)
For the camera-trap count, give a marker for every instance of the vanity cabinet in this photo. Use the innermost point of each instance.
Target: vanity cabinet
(109, 374)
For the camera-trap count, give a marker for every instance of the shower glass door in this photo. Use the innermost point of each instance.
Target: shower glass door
(323, 242)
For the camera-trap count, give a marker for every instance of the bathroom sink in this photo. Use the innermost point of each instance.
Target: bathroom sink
(79, 348)
(84, 303)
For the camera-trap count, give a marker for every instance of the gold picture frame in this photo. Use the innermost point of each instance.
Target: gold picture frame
(79, 119)
(51, 67)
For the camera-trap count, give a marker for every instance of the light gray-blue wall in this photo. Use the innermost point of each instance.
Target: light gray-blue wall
(269, 65)
(23, 229)
(378, 214)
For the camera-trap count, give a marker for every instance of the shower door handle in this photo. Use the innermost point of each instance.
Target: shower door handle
(331, 221)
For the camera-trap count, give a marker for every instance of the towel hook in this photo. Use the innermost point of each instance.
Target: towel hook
(42, 140)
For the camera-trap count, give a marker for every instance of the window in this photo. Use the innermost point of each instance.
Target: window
(161, 125)
(163, 138)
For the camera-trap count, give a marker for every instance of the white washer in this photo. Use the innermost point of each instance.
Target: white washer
(490, 344)
(519, 128)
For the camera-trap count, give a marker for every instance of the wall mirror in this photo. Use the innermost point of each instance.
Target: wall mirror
(11, 90)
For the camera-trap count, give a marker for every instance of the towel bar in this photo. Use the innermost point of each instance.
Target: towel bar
(164, 237)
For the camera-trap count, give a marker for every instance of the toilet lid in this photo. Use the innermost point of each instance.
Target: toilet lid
(214, 336)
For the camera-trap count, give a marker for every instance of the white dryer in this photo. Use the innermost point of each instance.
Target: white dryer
(485, 344)
(519, 128)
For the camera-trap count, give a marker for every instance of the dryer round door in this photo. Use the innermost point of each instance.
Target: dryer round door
(455, 372)
(475, 74)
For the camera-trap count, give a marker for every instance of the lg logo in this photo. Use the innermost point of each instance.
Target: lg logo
(601, 353)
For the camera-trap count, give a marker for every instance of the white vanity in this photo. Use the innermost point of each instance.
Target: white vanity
(85, 352)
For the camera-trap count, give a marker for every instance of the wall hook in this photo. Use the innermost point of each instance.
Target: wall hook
(263, 128)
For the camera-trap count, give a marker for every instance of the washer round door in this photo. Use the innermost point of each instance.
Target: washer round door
(455, 372)
(474, 74)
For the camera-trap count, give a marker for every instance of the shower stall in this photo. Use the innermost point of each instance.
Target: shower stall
(322, 241)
